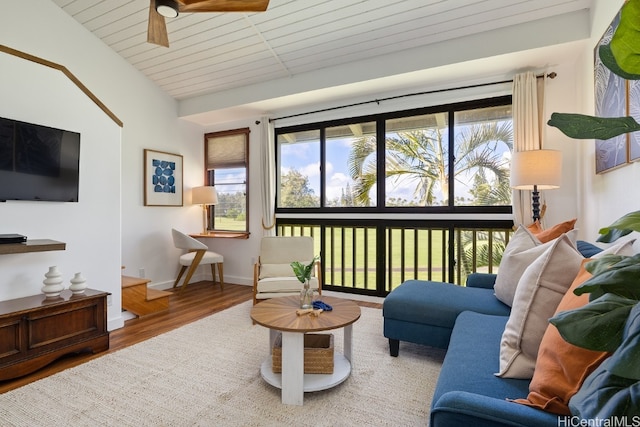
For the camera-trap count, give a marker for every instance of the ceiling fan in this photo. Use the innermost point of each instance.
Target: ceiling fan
(159, 9)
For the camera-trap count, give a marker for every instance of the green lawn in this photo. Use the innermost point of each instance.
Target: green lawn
(338, 259)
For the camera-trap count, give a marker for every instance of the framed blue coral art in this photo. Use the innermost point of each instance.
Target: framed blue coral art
(162, 178)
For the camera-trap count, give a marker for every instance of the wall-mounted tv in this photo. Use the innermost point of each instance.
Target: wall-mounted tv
(38, 162)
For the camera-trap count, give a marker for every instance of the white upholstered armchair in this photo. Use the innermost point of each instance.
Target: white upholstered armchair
(273, 275)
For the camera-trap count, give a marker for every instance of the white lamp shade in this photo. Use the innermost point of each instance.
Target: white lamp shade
(542, 168)
(204, 195)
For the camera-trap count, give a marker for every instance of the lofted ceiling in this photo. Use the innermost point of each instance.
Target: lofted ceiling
(216, 52)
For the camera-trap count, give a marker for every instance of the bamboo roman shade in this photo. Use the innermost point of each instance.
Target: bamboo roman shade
(227, 151)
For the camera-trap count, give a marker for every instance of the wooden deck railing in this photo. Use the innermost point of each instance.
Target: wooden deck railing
(375, 257)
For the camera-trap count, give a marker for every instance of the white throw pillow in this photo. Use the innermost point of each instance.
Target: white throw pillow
(539, 291)
(276, 270)
(522, 250)
(513, 263)
(620, 248)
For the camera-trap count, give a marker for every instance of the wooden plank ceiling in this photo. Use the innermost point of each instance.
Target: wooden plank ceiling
(210, 52)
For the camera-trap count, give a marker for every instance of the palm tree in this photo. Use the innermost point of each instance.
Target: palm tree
(421, 156)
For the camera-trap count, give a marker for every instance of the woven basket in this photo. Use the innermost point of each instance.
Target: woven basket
(318, 354)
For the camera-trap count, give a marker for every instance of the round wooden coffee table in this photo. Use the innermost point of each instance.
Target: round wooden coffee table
(279, 314)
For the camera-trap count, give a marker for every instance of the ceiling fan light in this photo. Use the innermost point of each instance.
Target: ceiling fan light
(167, 8)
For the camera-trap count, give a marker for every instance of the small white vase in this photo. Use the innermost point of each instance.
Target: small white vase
(78, 284)
(53, 283)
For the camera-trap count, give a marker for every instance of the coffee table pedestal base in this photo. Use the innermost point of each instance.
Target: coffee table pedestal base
(311, 382)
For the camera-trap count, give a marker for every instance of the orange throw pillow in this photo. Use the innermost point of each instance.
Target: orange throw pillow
(535, 227)
(553, 232)
(561, 368)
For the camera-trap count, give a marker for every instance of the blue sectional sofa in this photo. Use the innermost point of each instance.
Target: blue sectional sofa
(468, 322)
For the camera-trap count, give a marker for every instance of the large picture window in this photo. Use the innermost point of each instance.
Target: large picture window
(227, 164)
(446, 158)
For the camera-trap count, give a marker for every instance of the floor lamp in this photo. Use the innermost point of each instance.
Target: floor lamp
(204, 196)
(536, 170)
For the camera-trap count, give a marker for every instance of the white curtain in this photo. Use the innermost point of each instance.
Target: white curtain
(528, 103)
(268, 174)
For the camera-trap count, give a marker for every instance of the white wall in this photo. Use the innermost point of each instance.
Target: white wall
(41, 95)
(109, 227)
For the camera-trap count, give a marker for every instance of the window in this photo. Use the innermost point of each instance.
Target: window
(443, 158)
(299, 177)
(227, 166)
(343, 189)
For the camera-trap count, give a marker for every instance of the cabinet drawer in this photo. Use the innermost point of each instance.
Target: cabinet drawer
(54, 327)
(10, 342)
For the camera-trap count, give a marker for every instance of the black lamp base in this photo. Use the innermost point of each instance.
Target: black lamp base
(535, 197)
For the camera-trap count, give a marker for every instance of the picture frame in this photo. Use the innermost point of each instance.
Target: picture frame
(634, 111)
(611, 100)
(162, 178)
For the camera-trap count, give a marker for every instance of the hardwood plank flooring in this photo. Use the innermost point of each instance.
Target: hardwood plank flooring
(199, 300)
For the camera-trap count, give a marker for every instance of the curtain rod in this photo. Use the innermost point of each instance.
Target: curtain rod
(551, 75)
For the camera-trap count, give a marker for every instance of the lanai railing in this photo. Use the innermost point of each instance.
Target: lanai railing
(373, 257)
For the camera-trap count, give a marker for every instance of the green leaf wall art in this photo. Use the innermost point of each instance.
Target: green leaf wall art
(617, 70)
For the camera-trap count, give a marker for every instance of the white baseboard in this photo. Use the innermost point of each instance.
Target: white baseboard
(115, 323)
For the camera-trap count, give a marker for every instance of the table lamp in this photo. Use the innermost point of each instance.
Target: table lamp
(204, 196)
(536, 170)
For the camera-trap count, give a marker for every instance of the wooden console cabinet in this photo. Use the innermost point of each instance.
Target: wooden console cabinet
(34, 331)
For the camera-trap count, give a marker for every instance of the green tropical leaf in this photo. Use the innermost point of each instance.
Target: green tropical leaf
(609, 60)
(630, 221)
(580, 126)
(612, 235)
(604, 263)
(623, 53)
(624, 362)
(621, 278)
(303, 271)
(596, 326)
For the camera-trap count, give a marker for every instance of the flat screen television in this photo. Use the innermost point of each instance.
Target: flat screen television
(38, 162)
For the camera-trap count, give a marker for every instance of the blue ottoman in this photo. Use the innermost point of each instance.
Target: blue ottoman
(424, 312)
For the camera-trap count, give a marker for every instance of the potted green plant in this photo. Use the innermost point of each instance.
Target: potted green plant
(303, 273)
(610, 322)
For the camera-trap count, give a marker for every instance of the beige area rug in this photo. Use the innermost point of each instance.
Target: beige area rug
(207, 374)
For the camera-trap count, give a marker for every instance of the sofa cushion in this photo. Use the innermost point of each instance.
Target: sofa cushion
(539, 291)
(561, 368)
(424, 312)
(467, 393)
(473, 357)
(587, 249)
(437, 303)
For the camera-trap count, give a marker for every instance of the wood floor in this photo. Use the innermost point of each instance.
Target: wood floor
(197, 301)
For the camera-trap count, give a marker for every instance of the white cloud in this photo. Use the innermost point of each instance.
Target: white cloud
(335, 184)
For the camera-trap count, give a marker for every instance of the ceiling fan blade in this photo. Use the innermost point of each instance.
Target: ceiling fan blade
(157, 29)
(223, 5)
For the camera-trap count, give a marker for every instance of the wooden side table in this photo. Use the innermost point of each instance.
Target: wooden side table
(279, 314)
